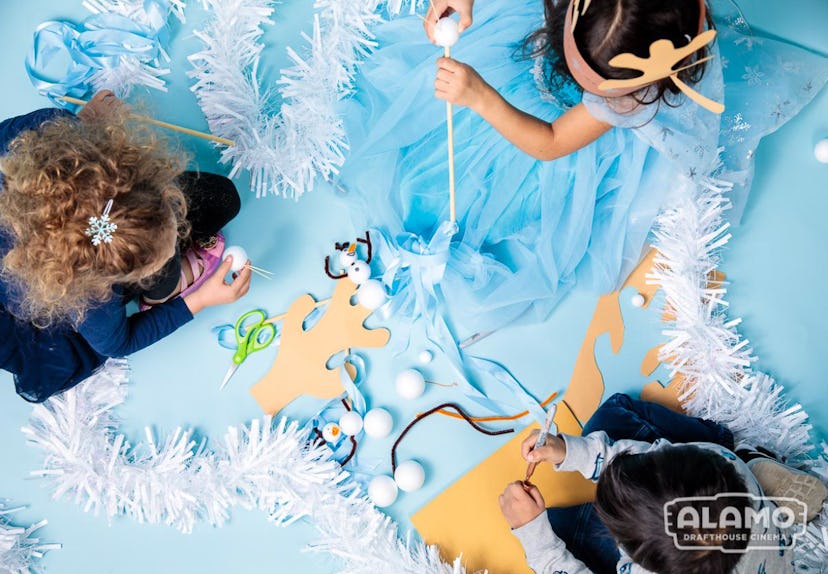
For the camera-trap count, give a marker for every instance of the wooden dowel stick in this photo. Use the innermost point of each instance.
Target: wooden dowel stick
(160, 124)
(187, 131)
(450, 123)
(260, 270)
(280, 316)
(260, 274)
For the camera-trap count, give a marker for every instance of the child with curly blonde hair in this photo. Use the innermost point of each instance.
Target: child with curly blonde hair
(65, 281)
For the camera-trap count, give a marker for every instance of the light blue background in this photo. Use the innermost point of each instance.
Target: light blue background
(777, 263)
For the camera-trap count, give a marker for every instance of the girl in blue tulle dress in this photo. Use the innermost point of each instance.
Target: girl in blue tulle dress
(558, 185)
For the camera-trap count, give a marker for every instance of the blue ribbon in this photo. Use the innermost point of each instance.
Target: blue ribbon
(65, 57)
(412, 270)
(50, 40)
(351, 386)
(333, 410)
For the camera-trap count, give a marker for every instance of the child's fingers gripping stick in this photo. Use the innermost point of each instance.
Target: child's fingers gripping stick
(241, 283)
(439, 8)
(225, 267)
(436, 10)
(103, 104)
(217, 291)
(459, 83)
(448, 64)
(521, 504)
(536, 495)
(554, 450)
(528, 444)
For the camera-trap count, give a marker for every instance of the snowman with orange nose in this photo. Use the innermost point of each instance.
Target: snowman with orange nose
(371, 293)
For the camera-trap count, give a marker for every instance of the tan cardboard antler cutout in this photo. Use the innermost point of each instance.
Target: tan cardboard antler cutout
(663, 57)
(300, 367)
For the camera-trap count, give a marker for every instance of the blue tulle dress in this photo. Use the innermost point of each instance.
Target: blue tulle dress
(530, 230)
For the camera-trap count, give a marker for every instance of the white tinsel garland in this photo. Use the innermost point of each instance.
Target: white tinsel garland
(284, 151)
(132, 69)
(287, 150)
(265, 465)
(133, 9)
(20, 550)
(706, 348)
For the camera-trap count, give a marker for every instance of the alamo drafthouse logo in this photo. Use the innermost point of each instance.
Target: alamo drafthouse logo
(735, 522)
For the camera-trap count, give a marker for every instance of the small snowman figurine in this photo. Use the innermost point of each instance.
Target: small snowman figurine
(351, 266)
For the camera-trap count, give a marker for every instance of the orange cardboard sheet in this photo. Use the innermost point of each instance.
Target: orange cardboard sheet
(465, 518)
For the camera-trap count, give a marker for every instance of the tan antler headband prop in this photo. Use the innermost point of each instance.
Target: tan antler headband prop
(663, 57)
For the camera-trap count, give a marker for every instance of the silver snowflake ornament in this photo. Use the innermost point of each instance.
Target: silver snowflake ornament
(101, 228)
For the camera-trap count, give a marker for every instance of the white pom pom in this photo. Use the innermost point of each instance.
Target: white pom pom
(239, 256)
(346, 259)
(446, 32)
(638, 300)
(409, 476)
(425, 357)
(382, 491)
(371, 294)
(359, 272)
(350, 423)
(410, 384)
(821, 151)
(332, 433)
(378, 423)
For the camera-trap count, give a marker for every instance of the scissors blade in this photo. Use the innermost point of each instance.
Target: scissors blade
(229, 375)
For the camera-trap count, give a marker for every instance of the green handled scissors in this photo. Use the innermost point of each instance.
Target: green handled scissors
(253, 333)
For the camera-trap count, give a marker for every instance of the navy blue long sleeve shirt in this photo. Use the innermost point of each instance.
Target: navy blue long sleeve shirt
(45, 362)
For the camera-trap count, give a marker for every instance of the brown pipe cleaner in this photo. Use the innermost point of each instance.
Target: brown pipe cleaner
(420, 417)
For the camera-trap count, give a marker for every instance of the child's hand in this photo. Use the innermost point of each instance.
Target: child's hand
(102, 104)
(553, 452)
(440, 8)
(521, 504)
(459, 84)
(215, 291)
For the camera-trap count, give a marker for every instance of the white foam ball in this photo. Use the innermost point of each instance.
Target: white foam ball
(410, 384)
(332, 433)
(346, 259)
(359, 272)
(409, 476)
(350, 423)
(638, 300)
(425, 357)
(382, 491)
(821, 151)
(446, 32)
(239, 256)
(371, 294)
(378, 423)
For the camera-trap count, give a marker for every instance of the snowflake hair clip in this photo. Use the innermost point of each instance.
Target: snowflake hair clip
(101, 228)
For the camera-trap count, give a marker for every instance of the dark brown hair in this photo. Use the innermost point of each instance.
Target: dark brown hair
(612, 27)
(631, 497)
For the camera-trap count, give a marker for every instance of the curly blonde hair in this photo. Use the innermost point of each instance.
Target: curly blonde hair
(56, 178)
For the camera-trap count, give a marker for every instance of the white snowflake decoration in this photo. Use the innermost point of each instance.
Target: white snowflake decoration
(101, 228)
